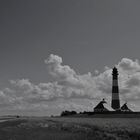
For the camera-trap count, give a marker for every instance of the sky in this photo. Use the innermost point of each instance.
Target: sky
(57, 55)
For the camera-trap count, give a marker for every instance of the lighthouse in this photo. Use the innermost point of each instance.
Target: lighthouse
(115, 104)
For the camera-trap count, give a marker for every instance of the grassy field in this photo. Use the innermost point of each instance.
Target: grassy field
(43, 128)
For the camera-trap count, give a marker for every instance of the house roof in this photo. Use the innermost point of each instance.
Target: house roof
(125, 107)
(100, 105)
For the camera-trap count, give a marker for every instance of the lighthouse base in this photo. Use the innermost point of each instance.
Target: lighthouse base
(115, 104)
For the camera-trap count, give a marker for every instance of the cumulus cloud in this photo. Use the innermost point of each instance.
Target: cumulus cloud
(74, 106)
(98, 86)
(68, 84)
(65, 73)
(5, 100)
(74, 85)
(129, 65)
(36, 93)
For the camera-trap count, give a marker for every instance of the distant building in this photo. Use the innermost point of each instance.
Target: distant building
(100, 107)
(125, 108)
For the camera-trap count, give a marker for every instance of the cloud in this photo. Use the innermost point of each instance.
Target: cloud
(67, 84)
(5, 100)
(99, 85)
(65, 73)
(133, 81)
(74, 106)
(36, 93)
(75, 85)
(129, 65)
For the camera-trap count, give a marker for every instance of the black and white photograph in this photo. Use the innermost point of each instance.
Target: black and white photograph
(69, 70)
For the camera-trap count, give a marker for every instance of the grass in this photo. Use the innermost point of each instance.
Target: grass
(70, 129)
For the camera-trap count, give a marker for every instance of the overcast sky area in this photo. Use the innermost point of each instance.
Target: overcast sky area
(57, 54)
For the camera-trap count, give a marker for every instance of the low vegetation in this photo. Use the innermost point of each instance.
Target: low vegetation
(66, 128)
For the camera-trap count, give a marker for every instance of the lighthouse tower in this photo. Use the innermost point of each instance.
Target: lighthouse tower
(115, 104)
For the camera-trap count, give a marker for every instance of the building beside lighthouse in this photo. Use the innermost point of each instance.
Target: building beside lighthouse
(103, 106)
(115, 102)
(100, 107)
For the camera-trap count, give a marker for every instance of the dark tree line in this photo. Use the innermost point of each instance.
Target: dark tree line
(67, 113)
